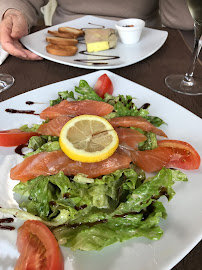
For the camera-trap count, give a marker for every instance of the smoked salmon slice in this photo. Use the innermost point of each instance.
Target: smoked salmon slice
(152, 160)
(76, 108)
(50, 163)
(129, 138)
(137, 122)
(54, 126)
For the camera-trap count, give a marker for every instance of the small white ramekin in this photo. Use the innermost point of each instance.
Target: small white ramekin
(130, 30)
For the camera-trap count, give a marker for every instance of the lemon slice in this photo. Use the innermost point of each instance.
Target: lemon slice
(88, 138)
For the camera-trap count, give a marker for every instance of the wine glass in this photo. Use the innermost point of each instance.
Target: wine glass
(6, 81)
(188, 84)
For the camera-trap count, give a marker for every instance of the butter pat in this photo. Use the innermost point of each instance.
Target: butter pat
(100, 39)
(97, 46)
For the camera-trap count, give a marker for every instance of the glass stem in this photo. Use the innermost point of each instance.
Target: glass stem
(197, 47)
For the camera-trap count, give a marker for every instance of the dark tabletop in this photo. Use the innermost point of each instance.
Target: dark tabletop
(173, 57)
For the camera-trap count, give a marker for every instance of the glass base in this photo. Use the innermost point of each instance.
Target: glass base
(6, 81)
(178, 84)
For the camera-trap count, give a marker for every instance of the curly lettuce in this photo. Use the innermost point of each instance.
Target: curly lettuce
(101, 211)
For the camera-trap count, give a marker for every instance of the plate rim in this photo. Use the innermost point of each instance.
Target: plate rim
(94, 67)
(182, 254)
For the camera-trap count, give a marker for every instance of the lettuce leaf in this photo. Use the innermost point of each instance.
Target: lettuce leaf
(150, 143)
(58, 191)
(154, 120)
(123, 105)
(106, 232)
(42, 143)
(102, 211)
(46, 147)
(62, 218)
(138, 216)
(86, 92)
(62, 96)
(33, 128)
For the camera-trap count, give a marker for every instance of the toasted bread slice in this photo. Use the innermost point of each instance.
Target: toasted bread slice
(61, 50)
(64, 35)
(75, 31)
(62, 41)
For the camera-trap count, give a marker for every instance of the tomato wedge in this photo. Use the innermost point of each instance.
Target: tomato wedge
(170, 153)
(14, 137)
(184, 156)
(103, 85)
(39, 250)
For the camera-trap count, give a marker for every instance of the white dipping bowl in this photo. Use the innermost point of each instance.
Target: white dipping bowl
(130, 30)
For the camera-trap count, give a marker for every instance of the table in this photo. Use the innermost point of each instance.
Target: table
(173, 57)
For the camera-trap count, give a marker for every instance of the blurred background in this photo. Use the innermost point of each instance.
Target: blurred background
(47, 13)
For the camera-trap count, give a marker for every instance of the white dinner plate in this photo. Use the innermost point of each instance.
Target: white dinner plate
(123, 55)
(183, 226)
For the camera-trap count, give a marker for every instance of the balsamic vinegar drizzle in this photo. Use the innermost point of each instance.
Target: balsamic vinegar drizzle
(6, 227)
(24, 111)
(29, 102)
(92, 63)
(101, 26)
(18, 149)
(33, 102)
(9, 228)
(21, 111)
(6, 220)
(94, 60)
(145, 213)
(111, 57)
(144, 106)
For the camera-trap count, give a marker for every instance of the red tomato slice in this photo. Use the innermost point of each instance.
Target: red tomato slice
(103, 85)
(14, 137)
(184, 155)
(39, 250)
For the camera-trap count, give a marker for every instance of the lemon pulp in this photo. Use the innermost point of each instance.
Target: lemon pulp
(88, 138)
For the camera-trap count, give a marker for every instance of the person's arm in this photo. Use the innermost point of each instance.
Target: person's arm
(30, 8)
(175, 14)
(15, 19)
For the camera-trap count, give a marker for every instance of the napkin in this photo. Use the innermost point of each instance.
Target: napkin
(3, 55)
